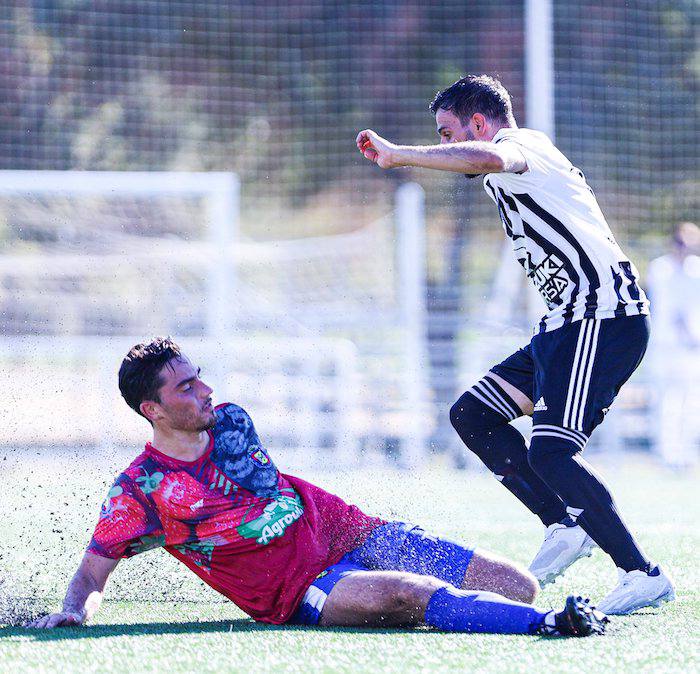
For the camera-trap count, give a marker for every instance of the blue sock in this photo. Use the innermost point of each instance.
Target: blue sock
(456, 610)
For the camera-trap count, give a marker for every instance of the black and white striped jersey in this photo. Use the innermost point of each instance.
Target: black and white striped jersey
(561, 238)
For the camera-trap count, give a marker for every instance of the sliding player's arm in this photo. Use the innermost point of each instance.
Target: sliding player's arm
(473, 157)
(84, 594)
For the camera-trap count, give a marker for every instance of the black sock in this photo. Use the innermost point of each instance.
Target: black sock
(487, 433)
(560, 465)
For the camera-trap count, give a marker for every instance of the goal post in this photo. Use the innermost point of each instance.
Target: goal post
(410, 219)
(219, 190)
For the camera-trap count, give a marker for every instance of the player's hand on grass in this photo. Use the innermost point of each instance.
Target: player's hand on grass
(63, 619)
(377, 149)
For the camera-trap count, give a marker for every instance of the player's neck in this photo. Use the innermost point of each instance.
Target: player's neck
(180, 445)
(497, 126)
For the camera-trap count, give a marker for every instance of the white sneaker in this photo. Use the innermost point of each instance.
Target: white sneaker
(637, 589)
(561, 548)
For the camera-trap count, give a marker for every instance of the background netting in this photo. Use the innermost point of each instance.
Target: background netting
(276, 92)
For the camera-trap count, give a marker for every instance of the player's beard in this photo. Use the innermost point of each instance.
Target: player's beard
(471, 176)
(210, 423)
(203, 421)
(206, 421)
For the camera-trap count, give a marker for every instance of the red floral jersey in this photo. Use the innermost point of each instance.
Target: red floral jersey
(257, 536)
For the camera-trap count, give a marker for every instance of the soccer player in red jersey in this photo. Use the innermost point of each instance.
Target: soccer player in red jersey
(283, 550)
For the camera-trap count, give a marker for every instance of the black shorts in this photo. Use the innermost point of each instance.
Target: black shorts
(573, 374)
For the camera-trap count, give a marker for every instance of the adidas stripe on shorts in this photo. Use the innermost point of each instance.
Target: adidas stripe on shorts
(572, 374)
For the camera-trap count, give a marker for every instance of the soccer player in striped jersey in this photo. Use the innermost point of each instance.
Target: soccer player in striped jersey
(584, 349)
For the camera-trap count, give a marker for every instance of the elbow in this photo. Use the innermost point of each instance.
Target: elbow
(493, 164)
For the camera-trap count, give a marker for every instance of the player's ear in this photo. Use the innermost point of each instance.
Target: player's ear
(150, 410)
(479, 122)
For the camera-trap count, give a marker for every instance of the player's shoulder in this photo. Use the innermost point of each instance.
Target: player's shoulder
(543, 158)
(539, 150)
(128, 479)
(661, 262)
(136, 467)
(229, 409)
(231, 414)
(526, 137)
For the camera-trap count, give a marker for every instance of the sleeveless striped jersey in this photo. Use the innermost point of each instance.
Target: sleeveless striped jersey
(561, 238)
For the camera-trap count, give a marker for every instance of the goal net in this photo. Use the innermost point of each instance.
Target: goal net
(276, 91)
(318, 337)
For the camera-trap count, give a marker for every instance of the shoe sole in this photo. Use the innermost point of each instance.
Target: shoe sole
(668, 596)
(552, 577)
(590, 622)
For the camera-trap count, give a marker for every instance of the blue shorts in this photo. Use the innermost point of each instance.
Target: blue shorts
(395, 546)
(573, 374)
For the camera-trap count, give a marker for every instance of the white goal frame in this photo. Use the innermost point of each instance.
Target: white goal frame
(220, 190)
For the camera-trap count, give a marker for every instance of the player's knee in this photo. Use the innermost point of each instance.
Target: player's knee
(405, 596)
(528, 587)
(470, 417)
(460, 412)
(493, 573)
(547, 453)
(518, 583)
(475, 422)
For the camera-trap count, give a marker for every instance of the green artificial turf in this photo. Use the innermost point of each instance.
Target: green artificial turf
(158, 617)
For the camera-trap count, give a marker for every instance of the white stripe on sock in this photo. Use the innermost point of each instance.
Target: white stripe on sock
(485, 391)
(558, 434)
(490, 387)
(479, 395)
(581, 437)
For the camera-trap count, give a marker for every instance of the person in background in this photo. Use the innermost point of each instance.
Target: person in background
(674, 286)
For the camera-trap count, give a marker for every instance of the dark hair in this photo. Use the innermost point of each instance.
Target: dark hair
(139, 374)
(475, 93)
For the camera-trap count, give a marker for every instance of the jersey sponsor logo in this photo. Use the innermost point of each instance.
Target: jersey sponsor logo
(540, 405)
(550, 279)
(274, 519)
(259, 456)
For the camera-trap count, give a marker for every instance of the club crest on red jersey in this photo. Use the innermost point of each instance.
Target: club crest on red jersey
(259, 456)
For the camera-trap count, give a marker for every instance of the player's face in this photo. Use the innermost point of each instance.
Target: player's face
(450, 128)
(185, 400)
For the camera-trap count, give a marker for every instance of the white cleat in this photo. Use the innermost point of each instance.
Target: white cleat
(562, 546)
(638, 589)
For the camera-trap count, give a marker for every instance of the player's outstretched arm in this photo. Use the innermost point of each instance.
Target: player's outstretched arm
(84, 594)
(473, 157)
